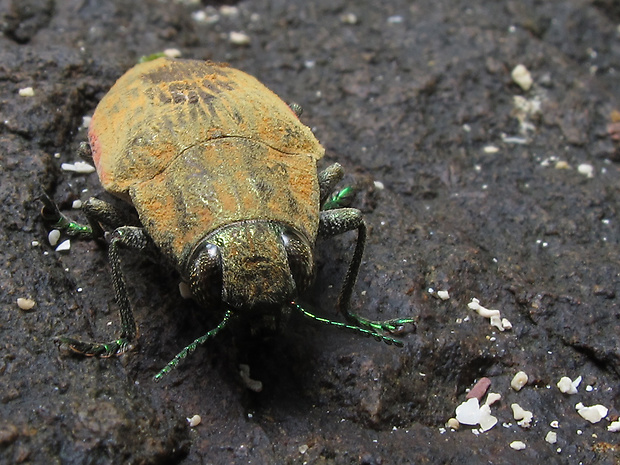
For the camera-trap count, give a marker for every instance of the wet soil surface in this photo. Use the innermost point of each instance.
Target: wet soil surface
(486, 191)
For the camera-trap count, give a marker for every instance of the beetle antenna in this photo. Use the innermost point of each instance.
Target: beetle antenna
(172, 364)
(367, 332)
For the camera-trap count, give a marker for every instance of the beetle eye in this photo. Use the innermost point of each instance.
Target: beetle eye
(205, 274)
(300, 258)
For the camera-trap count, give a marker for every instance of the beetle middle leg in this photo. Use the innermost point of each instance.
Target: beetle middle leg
(338, 221)
(128, 237)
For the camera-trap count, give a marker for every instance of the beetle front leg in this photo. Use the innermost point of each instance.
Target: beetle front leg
(333, 222)
(130, 237)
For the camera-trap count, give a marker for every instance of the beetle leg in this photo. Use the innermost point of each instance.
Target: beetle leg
(53, 216)
(328, 178)
(342, 198)
(130, 237)
(297, 109)
(97, 211)
(85, 152)
(102, 212)
(338, 221)
(373, 333)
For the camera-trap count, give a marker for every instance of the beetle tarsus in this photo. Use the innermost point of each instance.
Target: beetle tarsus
(387, 326)
(51, 213)
(368, 332)
(343, 198)
(92, 349)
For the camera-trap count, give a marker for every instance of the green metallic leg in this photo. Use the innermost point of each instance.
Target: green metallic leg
(338, 221)
(97, 211)
(328, 178)
(192, 347)
(130, 237)
(52, 215)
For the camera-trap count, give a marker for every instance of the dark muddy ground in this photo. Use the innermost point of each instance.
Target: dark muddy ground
(481, 198)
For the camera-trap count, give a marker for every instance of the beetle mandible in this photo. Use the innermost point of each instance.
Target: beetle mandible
(223, 176)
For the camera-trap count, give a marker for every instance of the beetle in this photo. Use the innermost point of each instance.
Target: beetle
(223, 176)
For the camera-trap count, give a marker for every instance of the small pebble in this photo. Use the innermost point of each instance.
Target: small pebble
(173, 53)
(468, 413)
(194, 421)
(614, 426)
(26, 92)
(453, 423)
(593, 414)
(64, 246)
(443, 295)
(238, 38)
(518, 445)
(25, 303)
(490, 149)
(379, 185)
(53, 236)
(479, 389)
(200, 16)
(519, 380)
(586, 169)
(229, 10)
(551, 437)
(86, 121)
(348, 18)
(567, 386)
(487, 421)
(523, 417)
(77, 204)
(492, 398)
(482, 311)
(303, 449)
(522, 77)
(78, 167)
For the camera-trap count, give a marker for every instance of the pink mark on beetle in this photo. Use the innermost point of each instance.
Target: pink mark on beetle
(95, 146)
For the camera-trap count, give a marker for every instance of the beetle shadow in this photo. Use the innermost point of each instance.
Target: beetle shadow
(279, 351)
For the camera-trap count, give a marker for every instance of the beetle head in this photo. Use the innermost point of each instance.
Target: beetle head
(250, 263)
